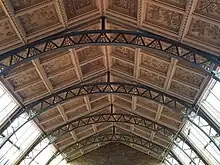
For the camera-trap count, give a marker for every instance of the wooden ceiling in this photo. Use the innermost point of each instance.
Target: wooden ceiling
(193, 22)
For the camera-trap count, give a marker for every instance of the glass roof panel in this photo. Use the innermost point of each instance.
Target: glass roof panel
(202, 143)
(210, 103)
(7, 104)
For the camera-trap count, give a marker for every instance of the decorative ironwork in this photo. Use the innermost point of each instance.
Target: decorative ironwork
(209, 5)
(140, 90)
(145, 40)
(30, 151)
(208, 131)
(172, 159)
(113, 117)
(188, 149)
(110, 137)
(103, 118)
(200, 112)
(40, 106)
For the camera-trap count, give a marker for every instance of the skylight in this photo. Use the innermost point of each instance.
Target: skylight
(7, 104)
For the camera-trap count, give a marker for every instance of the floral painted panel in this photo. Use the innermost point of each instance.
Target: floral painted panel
(209, 8)
(7, 33)
(77, 7)
(22, 4)
(205, 32)
(127, 7)
(160, 16)
(183, 90)
(178, 3)
(39, 19)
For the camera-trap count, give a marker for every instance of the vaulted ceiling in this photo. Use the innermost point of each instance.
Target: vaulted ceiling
(192, 22)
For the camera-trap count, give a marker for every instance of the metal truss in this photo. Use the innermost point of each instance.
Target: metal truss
(208, 131)
(199, 156)
(108, 87)
(188, 149)
(30, 154)
(34, 153)
(140, 90)
(200, 112)
(117, 137)
(109, 137)
(115, 118)
(172, 159)
(36, 108)
(103, 118)
(145, 40)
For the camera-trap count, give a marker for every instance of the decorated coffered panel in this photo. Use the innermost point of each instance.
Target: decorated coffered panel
(80, 7)
(65, 143)
(63, 138)
(124, 53)
(103, 110)
(100, 103)
(33, 92)
(169, 122)
(2, 13)
(177, 3)
(118, 109)
(65, 78)
(164, 138)
(120, 102)
(73, 104)
(145, 112)
(26, 82)
(126, 97)
(160, 142)
(56, 63)
(145, 103)
(208, 8)
(40, 19)
(84, 134)
(96, 96)
(204, 32)
(123, 126)
(93, 67)
(75, 113)
(48, 115)
(151, 78)
(82, 129)
(163, 18)
(89, 53)
(7, 33)
(19, 5)
(142, 132)
(183, 91)
(189, 77)
(52, 123)
(154, 63)
(126, 7)
(178, 116)
(24, 78)
(122, 67)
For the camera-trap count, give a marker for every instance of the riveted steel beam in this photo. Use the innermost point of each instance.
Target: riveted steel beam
(111, 137)
(36, 108)
(189, 150)
(100, 137)
(104, 118)
(144, 40)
